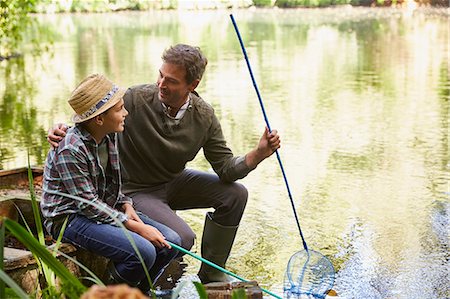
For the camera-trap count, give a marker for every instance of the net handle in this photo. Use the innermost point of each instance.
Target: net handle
(270, 130)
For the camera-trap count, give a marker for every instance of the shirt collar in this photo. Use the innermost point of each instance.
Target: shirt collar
(85, 135)
(181, 111)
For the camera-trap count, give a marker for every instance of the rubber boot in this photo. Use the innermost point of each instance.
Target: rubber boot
(217, 241)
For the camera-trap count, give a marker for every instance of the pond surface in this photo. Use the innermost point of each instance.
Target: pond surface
(359, 96)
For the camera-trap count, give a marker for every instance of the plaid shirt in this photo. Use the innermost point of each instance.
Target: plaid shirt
(74, 168)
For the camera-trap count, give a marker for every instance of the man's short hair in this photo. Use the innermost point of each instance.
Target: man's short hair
(191, 58)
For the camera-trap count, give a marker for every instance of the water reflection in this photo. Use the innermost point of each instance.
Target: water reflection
(20, 125)
(360, 96)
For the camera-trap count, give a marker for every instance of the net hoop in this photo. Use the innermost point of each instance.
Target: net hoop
(308, 273)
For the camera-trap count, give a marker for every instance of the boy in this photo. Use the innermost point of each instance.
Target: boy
(86, 165)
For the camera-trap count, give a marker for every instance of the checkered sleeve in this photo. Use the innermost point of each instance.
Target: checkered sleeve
(73, 168)
(124, 199)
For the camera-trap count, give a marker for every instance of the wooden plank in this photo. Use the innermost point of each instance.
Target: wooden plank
(18, 258)
(34, 170)
(224, 290)
(18, 177)
(13, 253)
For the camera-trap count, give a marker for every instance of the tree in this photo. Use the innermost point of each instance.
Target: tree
(14, 20)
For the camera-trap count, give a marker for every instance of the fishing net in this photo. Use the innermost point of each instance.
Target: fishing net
(309, 274)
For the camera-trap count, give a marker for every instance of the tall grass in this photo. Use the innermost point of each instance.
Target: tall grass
(14, 287)
(49, 283)
(2, 253)
(71, 286)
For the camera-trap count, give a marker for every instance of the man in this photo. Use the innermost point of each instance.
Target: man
(168, 124)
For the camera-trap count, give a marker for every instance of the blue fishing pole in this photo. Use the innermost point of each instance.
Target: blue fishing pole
(268, 126)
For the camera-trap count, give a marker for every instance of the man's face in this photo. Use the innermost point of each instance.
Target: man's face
(173, 88)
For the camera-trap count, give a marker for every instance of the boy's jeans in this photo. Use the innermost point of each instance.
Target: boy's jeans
(111, 242)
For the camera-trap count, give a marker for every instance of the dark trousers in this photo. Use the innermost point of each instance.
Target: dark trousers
(192, 189)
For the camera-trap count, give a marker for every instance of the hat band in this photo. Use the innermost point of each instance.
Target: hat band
(102, 102)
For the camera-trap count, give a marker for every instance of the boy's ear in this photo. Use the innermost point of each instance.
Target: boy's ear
(99, 120)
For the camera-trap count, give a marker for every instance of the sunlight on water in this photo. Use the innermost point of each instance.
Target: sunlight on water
(187, 288)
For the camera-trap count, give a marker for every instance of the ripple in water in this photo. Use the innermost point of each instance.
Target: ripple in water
(366, 274)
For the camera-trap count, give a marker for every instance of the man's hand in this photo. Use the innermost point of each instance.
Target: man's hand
(56, 134)
(268, 144)
(148, 232)
(131, 212)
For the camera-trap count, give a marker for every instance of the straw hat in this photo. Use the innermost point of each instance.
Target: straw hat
(93, 96)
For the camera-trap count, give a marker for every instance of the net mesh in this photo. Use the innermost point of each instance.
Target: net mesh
(309, 274)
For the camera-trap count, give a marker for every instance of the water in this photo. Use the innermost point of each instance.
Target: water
(361, 100)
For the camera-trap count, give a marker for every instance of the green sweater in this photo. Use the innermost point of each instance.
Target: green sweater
(154, 148)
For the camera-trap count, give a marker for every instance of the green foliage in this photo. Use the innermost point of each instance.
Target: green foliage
(14, 19)
(200, 290)
(2, 247)
(35, 206)
(262, 3)
(71, 286)
(239, 294)
(45, 6)
(48, 285)
(287, 3)
(19, 123)
(11, 294)
(57, 6)
(13, 287)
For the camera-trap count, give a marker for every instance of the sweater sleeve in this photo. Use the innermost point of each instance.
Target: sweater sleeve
(228, 167)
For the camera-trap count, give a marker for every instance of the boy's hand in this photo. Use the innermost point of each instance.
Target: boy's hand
(148, 232)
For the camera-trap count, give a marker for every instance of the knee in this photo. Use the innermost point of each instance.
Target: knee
(173, 237)
(186, 239)
(239, 196)
(148, 254)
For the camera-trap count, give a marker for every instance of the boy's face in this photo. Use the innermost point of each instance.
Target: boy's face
(114, 118)
(173, 88)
